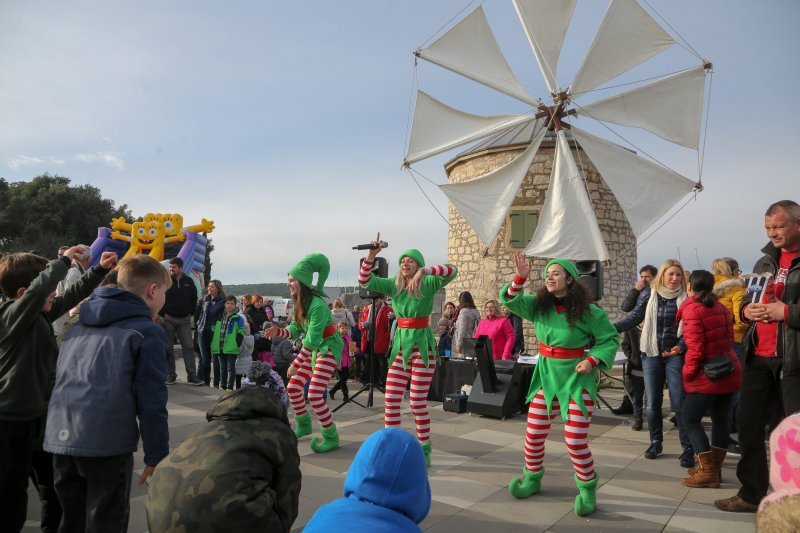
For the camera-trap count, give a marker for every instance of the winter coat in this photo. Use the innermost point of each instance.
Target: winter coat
(466, 323)
(28, 349)
(209, 310)
(501, 333)
(386, 488)
(282, 352)
(240, 472)
(666, 323)
(707, 332)
(731, 292)
(381, 329)
(343, 315)
(110, 382)
(231, 338)
(788, 346)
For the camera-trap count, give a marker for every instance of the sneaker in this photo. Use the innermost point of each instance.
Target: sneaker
(735, 504)
(194, 380)
(687, 459)
(654, 450)
(733, 447)
(637, 424)
(170, 380)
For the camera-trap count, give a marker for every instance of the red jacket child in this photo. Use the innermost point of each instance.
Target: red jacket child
(381, 329)
(707, 332)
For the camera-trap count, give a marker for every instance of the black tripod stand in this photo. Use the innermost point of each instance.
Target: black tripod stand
(370, 385)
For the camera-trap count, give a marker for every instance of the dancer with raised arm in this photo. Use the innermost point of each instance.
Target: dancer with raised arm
(564, 378)
(321, 351)
(413, 353)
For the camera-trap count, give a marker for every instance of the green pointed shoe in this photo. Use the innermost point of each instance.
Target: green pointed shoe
(426, 449)
(330, 440)
(528, 486)
(303, 425)
(585, 501)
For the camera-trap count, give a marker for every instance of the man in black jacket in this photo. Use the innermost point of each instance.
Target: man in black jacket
(771, 343)
(176, 318)
(634, 378)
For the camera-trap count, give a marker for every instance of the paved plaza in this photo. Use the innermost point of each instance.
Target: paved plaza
(472, 461)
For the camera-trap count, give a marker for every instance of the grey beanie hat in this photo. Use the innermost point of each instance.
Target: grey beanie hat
(258, 373)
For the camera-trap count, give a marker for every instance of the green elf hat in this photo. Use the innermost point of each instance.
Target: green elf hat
(304, 272)
(414, 254)
(568, 265)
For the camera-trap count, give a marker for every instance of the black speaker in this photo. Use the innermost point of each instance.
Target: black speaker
(493, 394)
(380, 268)
(591, 277)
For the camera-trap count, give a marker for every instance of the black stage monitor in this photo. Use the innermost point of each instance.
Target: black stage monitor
(480, 349)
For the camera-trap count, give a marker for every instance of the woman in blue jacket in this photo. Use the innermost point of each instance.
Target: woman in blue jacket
(662, 353)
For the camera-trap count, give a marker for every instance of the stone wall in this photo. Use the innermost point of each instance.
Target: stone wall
(484, 273)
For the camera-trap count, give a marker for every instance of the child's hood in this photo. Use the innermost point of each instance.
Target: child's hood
(111, 304)
(389, 471)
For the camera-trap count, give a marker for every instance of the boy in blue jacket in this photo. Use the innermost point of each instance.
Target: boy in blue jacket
(111, 371)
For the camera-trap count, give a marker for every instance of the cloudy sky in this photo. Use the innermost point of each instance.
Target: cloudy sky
(285, 122)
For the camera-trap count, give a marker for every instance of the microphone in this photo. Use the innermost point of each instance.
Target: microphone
(371, 246)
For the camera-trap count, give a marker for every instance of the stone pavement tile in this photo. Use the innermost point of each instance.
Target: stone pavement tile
(443, 461)
(538, 512)
(489, 472)
(178, 434)
(440, 512)
(458, 491)
(365, 428)
(337, 460)
(644, 482)
(642, 505)
(709, 496)
(468, 448)
(322, 489)
(692, 516)
(601, 520)
(468, 521)
(138, 519)
(310, 472)
(492, 436)
(305, 510)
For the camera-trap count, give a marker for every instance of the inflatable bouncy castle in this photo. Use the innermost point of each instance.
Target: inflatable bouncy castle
(162, 237)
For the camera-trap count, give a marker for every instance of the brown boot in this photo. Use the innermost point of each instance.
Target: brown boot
(719, 455)
(706, 476)
(736, 504)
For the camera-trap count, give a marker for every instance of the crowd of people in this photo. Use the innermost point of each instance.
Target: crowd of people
(72, 333)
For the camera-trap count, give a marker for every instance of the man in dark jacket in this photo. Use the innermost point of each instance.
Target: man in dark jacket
(176, 318)
(241, 472)
(772, 362)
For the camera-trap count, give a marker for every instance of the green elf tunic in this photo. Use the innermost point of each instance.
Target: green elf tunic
(406, 306)
(318, 318)
(557, 377)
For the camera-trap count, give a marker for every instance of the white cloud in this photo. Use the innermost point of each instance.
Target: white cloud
(111, 159)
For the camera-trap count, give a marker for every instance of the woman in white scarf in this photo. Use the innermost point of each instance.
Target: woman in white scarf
(662, 353)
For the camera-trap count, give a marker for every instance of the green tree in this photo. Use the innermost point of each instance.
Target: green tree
(48, 212)
(209, 249)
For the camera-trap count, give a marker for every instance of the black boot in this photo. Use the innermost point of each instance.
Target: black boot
(625, 409)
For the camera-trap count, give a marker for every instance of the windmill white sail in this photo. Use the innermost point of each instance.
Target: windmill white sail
(670, 107)
(484, 202)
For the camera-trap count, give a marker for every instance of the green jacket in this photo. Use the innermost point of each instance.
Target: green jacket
(318, 318)
(238, 473)
(557, 377)
(406, 306)
(230, 337)
(28, 348)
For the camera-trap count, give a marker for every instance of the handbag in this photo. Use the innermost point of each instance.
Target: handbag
(717, 367)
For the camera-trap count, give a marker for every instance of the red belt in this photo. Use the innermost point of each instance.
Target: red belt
(413, 323)
(559, 353)
(327, 332)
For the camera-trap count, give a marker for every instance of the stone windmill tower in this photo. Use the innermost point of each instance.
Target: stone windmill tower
(483, 272)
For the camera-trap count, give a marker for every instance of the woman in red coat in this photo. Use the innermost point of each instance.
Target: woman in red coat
(707, 332)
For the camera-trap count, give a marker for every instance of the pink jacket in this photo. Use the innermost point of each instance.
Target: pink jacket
(501, 333)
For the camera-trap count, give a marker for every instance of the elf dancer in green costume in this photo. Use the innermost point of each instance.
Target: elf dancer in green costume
(321, 352)
(564, 378)
(413, 352)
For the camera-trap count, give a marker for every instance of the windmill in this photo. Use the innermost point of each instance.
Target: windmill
(670, 107)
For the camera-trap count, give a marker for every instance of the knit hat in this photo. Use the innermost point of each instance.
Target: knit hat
(414, 254)
(304, 272)
(258, 373)
(568, 265)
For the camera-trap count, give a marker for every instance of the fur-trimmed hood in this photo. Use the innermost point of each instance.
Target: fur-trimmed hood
(723, 283)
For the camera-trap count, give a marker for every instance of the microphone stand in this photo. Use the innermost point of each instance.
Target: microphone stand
(370, 386)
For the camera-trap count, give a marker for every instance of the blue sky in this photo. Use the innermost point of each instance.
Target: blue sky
(285, 122)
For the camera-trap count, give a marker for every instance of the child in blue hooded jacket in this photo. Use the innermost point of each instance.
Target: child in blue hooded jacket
(386, 488)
